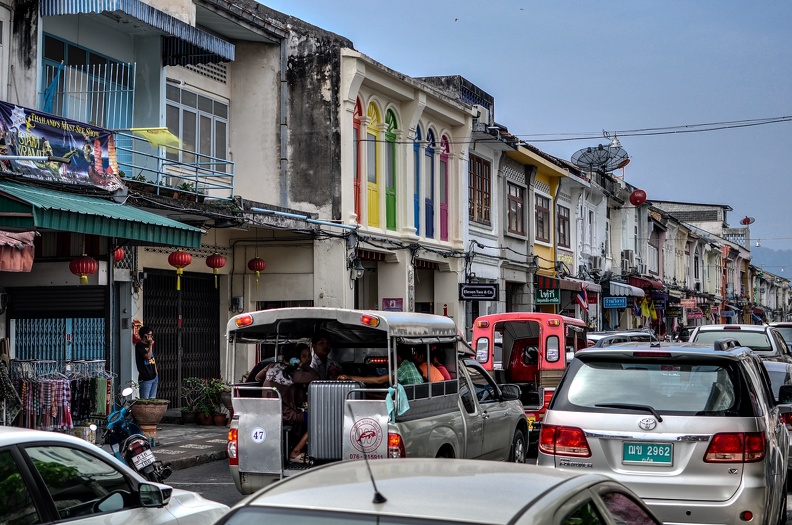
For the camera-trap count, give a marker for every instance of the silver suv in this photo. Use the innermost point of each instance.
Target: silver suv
(694, 430)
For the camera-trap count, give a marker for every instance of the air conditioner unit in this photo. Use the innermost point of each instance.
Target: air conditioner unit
(642, 268)
(596, 263)
(483, 114)
(629, 256)
(625, 266)
(697, 287)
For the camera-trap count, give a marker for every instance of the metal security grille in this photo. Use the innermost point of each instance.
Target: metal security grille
(59, 339)
(200, 327)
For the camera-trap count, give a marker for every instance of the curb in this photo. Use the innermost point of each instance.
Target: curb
(200, 459)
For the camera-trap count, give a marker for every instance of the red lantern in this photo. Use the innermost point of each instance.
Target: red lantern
(83, 266)
(118, 254)
(637, 197)
(215, 262)
(257, 264)
(179, 260)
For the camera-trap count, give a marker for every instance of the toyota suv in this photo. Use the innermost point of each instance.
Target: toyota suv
(694, 430)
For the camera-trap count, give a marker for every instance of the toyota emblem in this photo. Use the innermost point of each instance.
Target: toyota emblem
(647, 423)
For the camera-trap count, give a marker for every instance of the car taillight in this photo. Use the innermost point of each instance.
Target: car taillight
(564, 441)
(786, 419)
(231, 447)
(736, 447)
(396, 446)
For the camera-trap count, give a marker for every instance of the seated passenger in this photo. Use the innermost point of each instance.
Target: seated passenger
(436, 354)
(433, 374)
(321, 362)
(406, 373)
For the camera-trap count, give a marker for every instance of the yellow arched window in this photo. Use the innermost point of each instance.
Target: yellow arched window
(373, 164)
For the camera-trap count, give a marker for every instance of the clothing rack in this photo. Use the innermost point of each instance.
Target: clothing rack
(57, 395)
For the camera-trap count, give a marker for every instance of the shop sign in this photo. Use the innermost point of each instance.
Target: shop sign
(614, 302)
(673, 310)
(548, 290)
(592, 297)
(688, 303)
(695, 313)
(659, 304)
(478, 292)
(31, 133)
(727, 313)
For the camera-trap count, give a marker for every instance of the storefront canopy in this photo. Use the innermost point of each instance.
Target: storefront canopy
(183, 44)
(624, 289)
(16, 251)
(644, 283)
(28, 208)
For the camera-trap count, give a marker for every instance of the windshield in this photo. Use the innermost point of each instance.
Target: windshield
(692, 388)
(756, 341)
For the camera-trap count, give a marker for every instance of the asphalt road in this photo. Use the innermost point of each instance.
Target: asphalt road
(213, 481)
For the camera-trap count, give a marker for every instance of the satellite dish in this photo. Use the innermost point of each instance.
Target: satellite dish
(601, 158)
(747, 220)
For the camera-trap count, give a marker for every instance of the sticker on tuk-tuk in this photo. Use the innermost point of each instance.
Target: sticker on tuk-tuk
(258, 435)
(366, 435)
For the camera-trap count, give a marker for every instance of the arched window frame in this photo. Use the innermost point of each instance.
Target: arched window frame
(373, 164)
(417, 189)
(390, 168)
(357, 168)
(429, 200)
(445, 150)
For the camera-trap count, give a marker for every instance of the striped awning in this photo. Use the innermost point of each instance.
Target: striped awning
(182, 44)
(624, 289)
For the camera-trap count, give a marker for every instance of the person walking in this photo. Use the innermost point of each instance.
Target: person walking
(148, 379)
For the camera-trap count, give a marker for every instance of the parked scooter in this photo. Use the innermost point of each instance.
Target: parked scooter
(129, 444)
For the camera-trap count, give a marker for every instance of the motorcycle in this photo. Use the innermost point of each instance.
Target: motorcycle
(128, 443)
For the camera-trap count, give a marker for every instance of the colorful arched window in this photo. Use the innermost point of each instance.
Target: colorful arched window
(373, 165)
(417, 189)
(358, 113)
(429, 163)
(391, 126)
(445, 149)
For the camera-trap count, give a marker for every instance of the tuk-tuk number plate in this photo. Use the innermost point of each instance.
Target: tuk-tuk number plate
(144, 459)
(258, 435)
(650, 454)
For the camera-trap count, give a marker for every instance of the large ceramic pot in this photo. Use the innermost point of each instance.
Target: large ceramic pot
(149, 411)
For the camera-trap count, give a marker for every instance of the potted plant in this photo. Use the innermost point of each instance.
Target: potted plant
(191, 391)
(204, 412)
(148, 413)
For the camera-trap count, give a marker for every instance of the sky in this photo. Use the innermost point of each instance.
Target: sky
(563, 69)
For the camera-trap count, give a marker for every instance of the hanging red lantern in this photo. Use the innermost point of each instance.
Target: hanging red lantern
(215, 262)
(179, 260)
(637, 197)
(257, 264)
(83, 266)
(118, 254)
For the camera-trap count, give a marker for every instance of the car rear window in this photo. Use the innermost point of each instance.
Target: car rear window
(691, 388)
(786, 333)
(756, 341)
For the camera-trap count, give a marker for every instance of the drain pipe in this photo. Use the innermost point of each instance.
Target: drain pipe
(284, 129)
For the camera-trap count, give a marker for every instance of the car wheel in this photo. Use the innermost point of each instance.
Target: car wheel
(519, 448)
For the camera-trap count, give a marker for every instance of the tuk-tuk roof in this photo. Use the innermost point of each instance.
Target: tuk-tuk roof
(344, 327)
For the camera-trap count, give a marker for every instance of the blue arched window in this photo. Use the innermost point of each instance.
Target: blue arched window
(429, 162)
(417, 189)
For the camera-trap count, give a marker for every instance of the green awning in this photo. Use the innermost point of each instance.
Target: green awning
(28, 208)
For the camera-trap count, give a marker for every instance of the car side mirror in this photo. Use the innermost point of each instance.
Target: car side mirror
(510, 392)
(785, 394)
(153, 496)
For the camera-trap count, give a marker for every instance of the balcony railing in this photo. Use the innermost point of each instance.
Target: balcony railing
(205, 178)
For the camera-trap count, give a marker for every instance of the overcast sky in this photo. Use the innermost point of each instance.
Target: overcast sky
(561, 69)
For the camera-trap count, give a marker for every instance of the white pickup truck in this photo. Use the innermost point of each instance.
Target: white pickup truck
(468, 416)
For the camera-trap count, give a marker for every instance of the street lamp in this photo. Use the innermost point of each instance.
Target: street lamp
(533, 264)
(356, 269)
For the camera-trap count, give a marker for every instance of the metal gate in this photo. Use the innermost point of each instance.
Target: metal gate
(200, 327)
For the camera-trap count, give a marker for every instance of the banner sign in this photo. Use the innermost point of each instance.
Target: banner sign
(695, 313)
(688, 303)
(31, 133)
(674, 310)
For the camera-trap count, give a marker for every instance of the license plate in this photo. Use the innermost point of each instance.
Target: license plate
(144, 459)
(651, 454)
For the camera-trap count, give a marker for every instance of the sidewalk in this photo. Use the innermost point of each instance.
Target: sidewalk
(185, 446)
